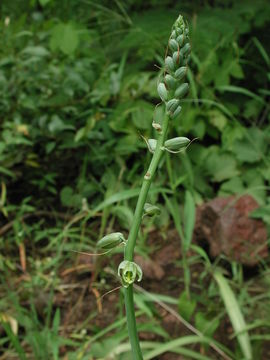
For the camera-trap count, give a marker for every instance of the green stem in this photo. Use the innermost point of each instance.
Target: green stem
(129, 248)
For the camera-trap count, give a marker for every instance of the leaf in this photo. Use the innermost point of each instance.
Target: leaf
(173, 344)
(261, 50)
(189, 219)
(64, 37)
(234, 312)
(38, 51)
(186, 306)
(232, 186)
(126, 194)
(236, 70)
(241, 90)
(221, 166)
(57, 125)
(252, 147)
(43, 3)
(263, 213)
(205, 325)
(217, 119)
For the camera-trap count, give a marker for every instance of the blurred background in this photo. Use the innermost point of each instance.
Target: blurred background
(77, 94)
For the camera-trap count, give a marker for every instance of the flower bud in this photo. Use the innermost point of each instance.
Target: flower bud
(181, 72)
(162, 91)
(186, 49)
(152, 144)
(151, 210)
(180, 40)
(170, 82)
(181, 91)
(176, 58)
(111, 240)
(169, 63)
(177, 143)
(129, 271)
(173, 45)
(172, 105)
(175, 114)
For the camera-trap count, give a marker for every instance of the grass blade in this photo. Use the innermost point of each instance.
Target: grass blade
(235, 314)
(189, 219)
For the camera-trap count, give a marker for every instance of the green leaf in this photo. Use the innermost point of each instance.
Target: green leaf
(263, 213)
(126, 194)
(217, 119)
(236, 70)
(241, 90)
(252, 147)
(64, 37)
(234, 312)
(205, 325)
(221, 166)
(232, 186)
(44, 2)
(38, 51)
(189, 219)
(186, 306)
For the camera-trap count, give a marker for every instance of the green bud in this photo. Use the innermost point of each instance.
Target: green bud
(129, 271)
(176, 58)
(170, 82)
(180, 40)
(179, 31)
(110, 241)
(181, 91)
(173, 35)
(173, 45)
(177, 143)
(181, 73)
(151, 210)
(152, 144)
(172, 105)
(169, 63)
(175, 114)
(185, 50)
(162, 91)
(188, 59)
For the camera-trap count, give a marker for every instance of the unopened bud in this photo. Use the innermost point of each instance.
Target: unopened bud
(152, 144)
(177, 143)
(181, 73)
(173, 45)
(175, 114)
(162, 91)
(169, 63)
(172, 105)
(181, 91)
(170, 82)
(111, 240)
(151, 210)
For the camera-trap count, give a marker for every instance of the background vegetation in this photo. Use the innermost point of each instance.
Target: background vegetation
(77, 89)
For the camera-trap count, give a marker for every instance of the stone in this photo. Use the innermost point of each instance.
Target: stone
(224, 223)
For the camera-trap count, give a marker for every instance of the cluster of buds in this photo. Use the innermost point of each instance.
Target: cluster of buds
(172, 88)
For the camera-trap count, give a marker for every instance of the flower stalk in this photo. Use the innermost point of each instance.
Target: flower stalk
(171, 90)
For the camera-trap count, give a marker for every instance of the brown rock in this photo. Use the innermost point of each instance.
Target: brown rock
(151, 269)
(225, 224)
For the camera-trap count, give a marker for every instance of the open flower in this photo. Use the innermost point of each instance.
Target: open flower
(129, 271)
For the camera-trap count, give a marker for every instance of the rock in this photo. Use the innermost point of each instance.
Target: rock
(151, 269)
(225, 224)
